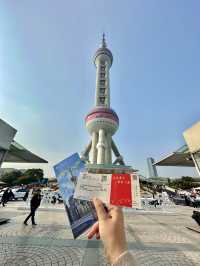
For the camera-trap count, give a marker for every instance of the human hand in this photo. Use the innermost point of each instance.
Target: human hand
(110, 228)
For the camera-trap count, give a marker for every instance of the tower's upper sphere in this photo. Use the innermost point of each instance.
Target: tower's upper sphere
(102, 118)
(103, 54)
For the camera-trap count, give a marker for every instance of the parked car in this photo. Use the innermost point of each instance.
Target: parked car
(19, 193)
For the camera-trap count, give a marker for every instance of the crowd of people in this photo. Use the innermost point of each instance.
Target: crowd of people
(192, 199)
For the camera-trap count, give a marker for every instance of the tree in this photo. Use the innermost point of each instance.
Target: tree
(34, 173)
(25, 180)
(17, 177)
(31, 176)
(186, 182)
(11, 178)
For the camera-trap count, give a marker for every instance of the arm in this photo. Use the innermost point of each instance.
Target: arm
(110, 228)
(125, 259)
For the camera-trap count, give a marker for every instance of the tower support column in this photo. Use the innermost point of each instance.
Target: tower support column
(101, 147)
(108, 152)
(94, 148)
(85, 153)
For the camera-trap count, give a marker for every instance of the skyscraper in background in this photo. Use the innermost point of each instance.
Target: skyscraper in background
(152, 171)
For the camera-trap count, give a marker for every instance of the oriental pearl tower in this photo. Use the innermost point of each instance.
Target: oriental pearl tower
(102, 122)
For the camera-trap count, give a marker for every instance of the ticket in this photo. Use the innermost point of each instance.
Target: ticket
(93, 185)
(115, 189)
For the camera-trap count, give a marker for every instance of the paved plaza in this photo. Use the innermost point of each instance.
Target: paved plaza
(155, 238)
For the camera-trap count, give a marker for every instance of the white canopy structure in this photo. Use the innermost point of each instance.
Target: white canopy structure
(180, 157)
(18, 154)
(13, 152)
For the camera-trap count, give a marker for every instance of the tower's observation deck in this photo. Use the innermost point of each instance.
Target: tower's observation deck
(102, 118)
(102, 122)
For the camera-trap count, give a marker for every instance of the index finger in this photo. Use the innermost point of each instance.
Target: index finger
(101, 212)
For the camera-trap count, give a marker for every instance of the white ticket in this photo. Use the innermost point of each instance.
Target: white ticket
(93, 185)
(115, 189)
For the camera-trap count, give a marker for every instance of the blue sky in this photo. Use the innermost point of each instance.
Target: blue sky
(47, 78)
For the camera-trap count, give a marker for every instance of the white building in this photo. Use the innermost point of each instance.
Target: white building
(152, 171)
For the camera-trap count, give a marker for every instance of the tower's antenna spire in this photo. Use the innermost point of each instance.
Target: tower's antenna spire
(103, 41)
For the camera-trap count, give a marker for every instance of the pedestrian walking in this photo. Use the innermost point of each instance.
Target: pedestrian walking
(26, 195)
(11, 195)
(187, 200)
(5, 197)
(53, 199)
(35, 203)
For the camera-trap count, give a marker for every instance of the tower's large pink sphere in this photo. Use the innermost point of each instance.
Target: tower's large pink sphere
(102, 118)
